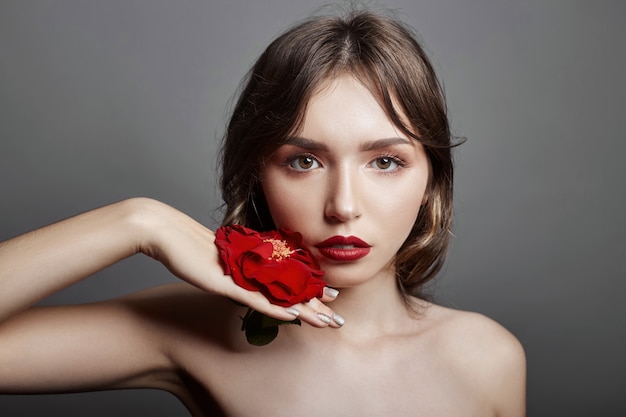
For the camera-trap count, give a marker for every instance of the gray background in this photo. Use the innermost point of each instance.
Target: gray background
(103, 100)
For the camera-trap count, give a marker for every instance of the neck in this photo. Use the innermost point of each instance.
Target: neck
(372, 309)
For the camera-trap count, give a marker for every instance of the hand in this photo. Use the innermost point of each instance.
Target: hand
(188, 250)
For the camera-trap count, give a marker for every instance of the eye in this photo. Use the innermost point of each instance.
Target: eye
(303, 163)
(386, 163)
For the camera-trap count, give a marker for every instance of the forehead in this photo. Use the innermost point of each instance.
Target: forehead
(345, 81)
(346, 105)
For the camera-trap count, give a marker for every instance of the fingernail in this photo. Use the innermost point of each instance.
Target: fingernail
(338, 319)
(323, 317)
(331, 292)
(293, 311)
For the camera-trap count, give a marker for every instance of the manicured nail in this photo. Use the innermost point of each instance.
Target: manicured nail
(323, 317)
(331, 292)
(293, 311)
(338, 319)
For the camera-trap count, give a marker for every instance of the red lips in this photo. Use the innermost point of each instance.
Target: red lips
(343, 249)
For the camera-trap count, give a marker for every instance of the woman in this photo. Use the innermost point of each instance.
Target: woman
(340, 134)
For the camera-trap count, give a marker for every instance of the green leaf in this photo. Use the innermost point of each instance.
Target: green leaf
(261, 336)
(260, 330)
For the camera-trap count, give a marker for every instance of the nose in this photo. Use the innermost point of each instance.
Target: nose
(342, 202)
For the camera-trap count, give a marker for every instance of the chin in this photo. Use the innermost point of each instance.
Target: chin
(346, 276)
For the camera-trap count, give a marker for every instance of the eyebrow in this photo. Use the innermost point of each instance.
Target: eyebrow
(305, 143)
(372, 145)
(384, 143)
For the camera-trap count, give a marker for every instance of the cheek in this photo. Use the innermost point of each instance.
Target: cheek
(402, 213)
(279, 208)
(402, 206)
(288, 205)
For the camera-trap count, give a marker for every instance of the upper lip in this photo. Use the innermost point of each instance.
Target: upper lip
(343, 241)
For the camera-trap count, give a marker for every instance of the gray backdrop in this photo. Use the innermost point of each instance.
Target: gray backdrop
(103, 100)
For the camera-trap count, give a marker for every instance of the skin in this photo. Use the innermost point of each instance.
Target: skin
(349, 171)
(185, 338)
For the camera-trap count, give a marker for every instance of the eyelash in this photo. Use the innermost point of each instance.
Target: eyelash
(393, 158)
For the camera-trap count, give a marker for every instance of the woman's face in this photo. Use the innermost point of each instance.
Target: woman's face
(349, 181)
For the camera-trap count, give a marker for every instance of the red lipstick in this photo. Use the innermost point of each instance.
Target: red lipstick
(343, 249)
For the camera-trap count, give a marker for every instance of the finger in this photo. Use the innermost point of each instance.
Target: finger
(254, 300)
(318, 314)
(313, 312)
(329, 294)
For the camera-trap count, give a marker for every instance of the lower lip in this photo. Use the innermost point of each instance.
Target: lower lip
(344, 255)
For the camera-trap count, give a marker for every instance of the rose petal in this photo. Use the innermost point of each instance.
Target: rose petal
(284, 281)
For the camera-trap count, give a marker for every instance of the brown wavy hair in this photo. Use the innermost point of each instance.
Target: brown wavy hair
(383, 53)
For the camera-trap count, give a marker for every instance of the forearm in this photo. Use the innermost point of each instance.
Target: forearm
(41, 262)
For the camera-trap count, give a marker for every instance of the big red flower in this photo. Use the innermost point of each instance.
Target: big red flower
(274, 263)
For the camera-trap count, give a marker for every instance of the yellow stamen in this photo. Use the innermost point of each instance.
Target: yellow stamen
(280, 249)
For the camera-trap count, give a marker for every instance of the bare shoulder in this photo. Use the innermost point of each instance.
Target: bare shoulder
(474, 334)
(485, 354)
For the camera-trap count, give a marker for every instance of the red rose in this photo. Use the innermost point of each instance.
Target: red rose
(274, 263)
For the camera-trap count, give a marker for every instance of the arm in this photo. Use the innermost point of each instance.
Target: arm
(103, 345)
(57, 349)
(39, 263)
